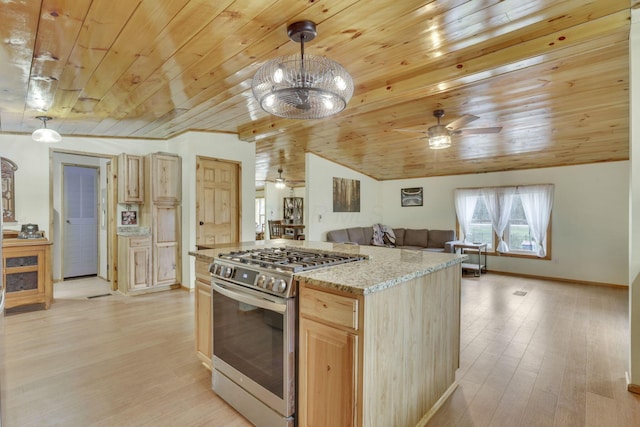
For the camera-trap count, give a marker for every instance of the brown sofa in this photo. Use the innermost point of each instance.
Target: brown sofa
(406, 238)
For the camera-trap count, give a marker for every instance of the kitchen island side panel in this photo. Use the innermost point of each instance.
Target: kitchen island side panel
(411, 348)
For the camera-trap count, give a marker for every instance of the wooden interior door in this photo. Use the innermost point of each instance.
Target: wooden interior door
(217, 200)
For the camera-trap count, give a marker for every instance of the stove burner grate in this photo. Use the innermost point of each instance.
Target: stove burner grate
(289, 259)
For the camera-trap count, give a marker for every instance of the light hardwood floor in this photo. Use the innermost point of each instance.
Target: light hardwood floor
(553, 357)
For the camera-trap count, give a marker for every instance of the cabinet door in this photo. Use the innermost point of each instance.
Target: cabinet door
(328, 369)
(166, 261)
(203, 322)
(166, 178)
(139, 267)
(130, 179)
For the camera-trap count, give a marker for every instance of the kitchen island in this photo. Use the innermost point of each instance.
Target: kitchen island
(379, 339)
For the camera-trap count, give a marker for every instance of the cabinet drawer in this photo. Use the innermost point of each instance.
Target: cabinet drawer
(330, 308)
(19, 282)
(136, 242)
(202, 272)
(21, 261)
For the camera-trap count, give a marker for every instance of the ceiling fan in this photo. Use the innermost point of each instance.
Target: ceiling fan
(281, 182)
(440, 135)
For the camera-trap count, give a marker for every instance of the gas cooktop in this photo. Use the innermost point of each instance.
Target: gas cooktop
(288, 259)
(271, 270)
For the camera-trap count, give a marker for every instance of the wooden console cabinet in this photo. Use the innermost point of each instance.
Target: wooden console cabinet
(27, 272)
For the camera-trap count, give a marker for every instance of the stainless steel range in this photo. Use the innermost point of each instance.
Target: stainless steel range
(255, 328)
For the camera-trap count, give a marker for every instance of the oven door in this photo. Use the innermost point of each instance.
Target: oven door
(254, 343)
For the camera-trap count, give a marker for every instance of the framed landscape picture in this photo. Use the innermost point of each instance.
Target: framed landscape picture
(346, 195)
(411, 196)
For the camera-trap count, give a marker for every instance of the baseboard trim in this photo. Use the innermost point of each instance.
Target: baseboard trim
(633, 388)
(559, 279)
(423, 422)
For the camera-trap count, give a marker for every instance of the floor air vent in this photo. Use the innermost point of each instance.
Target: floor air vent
(520, 293)
(99, 296)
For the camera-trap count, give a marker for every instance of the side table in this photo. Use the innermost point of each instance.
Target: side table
(480, 248)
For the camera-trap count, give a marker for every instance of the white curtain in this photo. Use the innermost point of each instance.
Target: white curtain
(465, 200)
(499, 201)
(537, 201)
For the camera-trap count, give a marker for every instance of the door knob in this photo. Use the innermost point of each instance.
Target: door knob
(201, 223)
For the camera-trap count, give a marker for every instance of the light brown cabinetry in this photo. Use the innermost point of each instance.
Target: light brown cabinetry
(163, 214)
(203, 312)
(130, 179)
(328, 353)
(387, 358)
(165, 179)
(166, 255)
(134, 264)
(27, 272)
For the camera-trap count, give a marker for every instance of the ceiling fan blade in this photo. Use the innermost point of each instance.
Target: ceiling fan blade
(462, 121)
(477, 131)
(411, 130)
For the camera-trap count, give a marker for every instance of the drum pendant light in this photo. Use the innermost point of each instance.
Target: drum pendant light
(44, 134)
(304, 86)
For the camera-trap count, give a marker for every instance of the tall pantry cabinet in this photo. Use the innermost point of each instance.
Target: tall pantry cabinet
(163, 214)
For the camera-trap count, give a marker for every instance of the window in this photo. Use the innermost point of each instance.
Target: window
(481, 230)
(518, 233)
(260, 213)
(510, 220)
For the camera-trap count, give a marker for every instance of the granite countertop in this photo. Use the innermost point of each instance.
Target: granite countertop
(384, 268)
(133, 231)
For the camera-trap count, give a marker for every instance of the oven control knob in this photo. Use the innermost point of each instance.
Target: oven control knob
(270, 283)
(226, 272)
(262, 281)
(280, 285)
(214, 269)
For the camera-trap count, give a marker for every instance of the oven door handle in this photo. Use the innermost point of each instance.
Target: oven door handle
(248, 299)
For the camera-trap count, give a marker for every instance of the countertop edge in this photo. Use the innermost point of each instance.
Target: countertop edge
(368, 276)
(377, 287)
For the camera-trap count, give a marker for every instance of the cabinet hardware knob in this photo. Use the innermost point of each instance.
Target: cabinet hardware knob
(201, 222)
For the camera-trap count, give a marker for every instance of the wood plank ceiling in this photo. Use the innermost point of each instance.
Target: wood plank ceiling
(554, 74)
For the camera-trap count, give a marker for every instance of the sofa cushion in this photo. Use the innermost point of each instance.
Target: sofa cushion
(338, 235)
(360, 235)
(437, 238)
(416, 237)
(399, 232)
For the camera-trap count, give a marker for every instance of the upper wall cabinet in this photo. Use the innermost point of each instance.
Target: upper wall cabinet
(130, 179)
(166, 173)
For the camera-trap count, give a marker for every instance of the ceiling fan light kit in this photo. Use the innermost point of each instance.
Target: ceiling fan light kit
(280, 180)
(44, 134)
(439, 135)
(304, 86)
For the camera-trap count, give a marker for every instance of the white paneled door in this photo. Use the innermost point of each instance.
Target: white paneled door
(80, 221)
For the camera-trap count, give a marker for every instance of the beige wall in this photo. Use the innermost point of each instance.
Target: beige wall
(589, 219)
(318, 202)
(634, 197)
(34, 190)
(590, 214)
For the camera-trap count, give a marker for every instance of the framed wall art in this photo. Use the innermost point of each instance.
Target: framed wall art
(346, 195)
(129, 218)
(411, 196)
